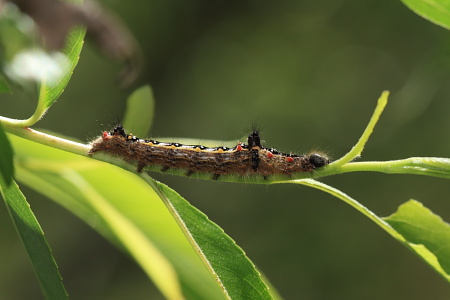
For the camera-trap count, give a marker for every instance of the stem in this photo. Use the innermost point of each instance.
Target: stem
(8, 122)
(48, 140)
(37, 115)
(430, 166)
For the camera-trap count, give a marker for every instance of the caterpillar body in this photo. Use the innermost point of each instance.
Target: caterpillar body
(243, 159)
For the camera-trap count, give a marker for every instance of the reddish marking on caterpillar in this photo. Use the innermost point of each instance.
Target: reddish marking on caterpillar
(243, 159)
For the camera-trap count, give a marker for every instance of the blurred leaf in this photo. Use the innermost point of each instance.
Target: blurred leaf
(6, 158)
(35, 244)
(413, 228)
(226, 260)
(139, 113)
(4, 87)
(419, 225)
(434, 11)
(16, 31)
(131, 238)
(99, 194)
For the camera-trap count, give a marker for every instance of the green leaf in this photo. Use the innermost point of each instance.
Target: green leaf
(227, 261)
(33, 239)
(6, 158)
(124, 209)
(131, 237)
(49, 94)
(139, 113)
(434, 11)
(417, 223)
(72, 50)
(359, 146)
(421, 226)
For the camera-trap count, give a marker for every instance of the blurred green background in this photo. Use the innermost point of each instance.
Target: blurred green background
(309, 74)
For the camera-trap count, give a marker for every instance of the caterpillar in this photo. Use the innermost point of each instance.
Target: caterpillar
(243, 159)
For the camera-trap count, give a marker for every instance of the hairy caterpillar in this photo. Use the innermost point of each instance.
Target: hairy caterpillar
(243, 159)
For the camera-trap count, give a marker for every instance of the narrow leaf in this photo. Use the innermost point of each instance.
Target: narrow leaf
(48, 94)
(227, 261)
(131, 237)
(33, 239)
(72, 50)
(359, 146)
